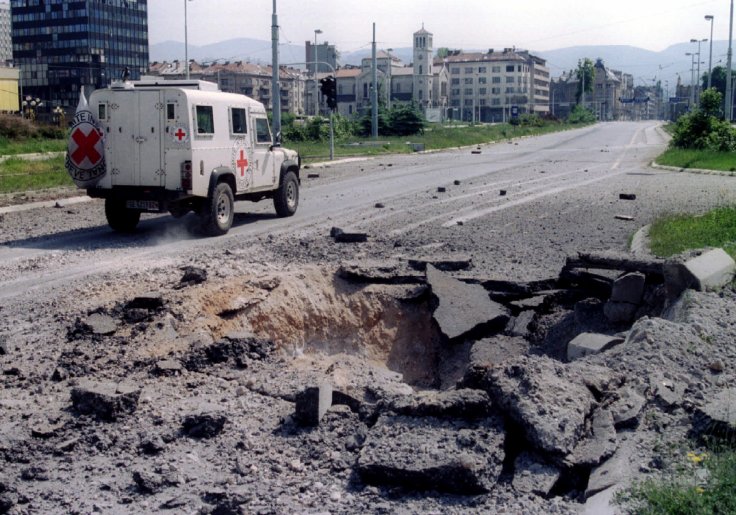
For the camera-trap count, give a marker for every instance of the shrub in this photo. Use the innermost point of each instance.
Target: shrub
(17, 128)
(580, 114)
(703, 129)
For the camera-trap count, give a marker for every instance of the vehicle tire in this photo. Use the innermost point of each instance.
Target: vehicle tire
(286, 198)
(119, 217)
(218, 211)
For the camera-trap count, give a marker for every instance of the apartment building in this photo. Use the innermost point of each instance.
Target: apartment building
(253, 80)
(488, 87)
(609, 88)
(6, 40)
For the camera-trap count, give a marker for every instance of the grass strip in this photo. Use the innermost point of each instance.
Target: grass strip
(434, 138)
(690, 492)
(31, 146)
(674, 234)
(701, 159)
(21, 175)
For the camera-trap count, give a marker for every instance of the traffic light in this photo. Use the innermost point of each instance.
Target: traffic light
(328, 87)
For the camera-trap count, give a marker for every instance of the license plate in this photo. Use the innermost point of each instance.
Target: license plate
(145, 205)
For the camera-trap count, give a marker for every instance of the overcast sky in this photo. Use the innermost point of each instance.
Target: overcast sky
(468, 24)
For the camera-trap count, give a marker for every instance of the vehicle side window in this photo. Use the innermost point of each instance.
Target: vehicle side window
(263, 134)
(171, 111)
(102, 111)
(237, 121)
(205, 120)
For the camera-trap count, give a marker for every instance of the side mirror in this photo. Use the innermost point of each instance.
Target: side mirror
(276, 140)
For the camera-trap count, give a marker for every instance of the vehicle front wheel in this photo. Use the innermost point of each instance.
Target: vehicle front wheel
(119, 217)
(286, 198)
(218, 211)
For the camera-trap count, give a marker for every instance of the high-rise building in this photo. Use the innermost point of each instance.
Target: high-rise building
(61, 45)
(321, 58)
(6, 46)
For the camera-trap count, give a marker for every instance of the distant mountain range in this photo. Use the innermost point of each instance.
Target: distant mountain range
(645, 65)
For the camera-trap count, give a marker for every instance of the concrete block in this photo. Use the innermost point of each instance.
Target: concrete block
(312, 403)
(711, 270)
(590, 343)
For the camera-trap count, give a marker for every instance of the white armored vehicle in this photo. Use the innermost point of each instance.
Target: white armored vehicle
(179, 146)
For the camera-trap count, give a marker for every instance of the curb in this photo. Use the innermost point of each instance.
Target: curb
(39, 156)
(63, 202)
(640, 242)
(699, 171)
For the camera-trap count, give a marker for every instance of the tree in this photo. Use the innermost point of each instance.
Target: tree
(719, 79)
(585, 74)
(703, 128)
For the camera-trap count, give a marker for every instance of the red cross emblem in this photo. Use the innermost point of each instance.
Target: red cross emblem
(242, 163)
(180, 134)
(86, 147)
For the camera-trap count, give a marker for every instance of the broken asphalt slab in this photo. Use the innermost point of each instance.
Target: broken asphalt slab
(463, 309)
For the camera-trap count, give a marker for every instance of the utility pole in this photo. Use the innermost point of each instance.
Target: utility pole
(729, 81)
(710, 18)
(374, 92)
(275, 89)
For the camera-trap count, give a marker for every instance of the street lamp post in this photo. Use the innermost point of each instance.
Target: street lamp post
(316, 69)
(692, 78)
(709, 18)
(697, 83)
(186, 39)
(729, 82)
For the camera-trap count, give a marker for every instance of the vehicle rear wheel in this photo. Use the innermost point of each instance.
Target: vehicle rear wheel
(286, 198)
(218, 211)
(119, 217)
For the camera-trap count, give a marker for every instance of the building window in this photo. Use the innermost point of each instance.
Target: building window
(468, 80)
(496, 80)
(468, 91)
(509, 80)
(496, 69)
(482, 91)
(482, 69)
(468, 101)
(455, 81)
(468, 69)
(510, 68)
(482, 80)
(455, 71)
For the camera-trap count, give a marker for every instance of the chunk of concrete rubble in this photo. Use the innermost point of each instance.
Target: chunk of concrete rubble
(614, 472)
(718, 417)
(168, 367)
(150, 300)
(497, 350)
(710, 270)
(444, 263)
(107, 401)
(312, 403)
(454, 456)
(620, 312)
(4, 346)
(629, 288)
(599, 445)
(519, 325)
(533, 476)
(463, 308)
(102, 325)
(465, 404)
(548, 399)
(627, 408)
(193, 275)
(348, 235)
(590, 343)
(203, 425)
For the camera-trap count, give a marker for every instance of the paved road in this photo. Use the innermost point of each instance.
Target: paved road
(561, 196)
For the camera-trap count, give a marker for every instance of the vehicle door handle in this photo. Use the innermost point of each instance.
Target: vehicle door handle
(140, 139)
